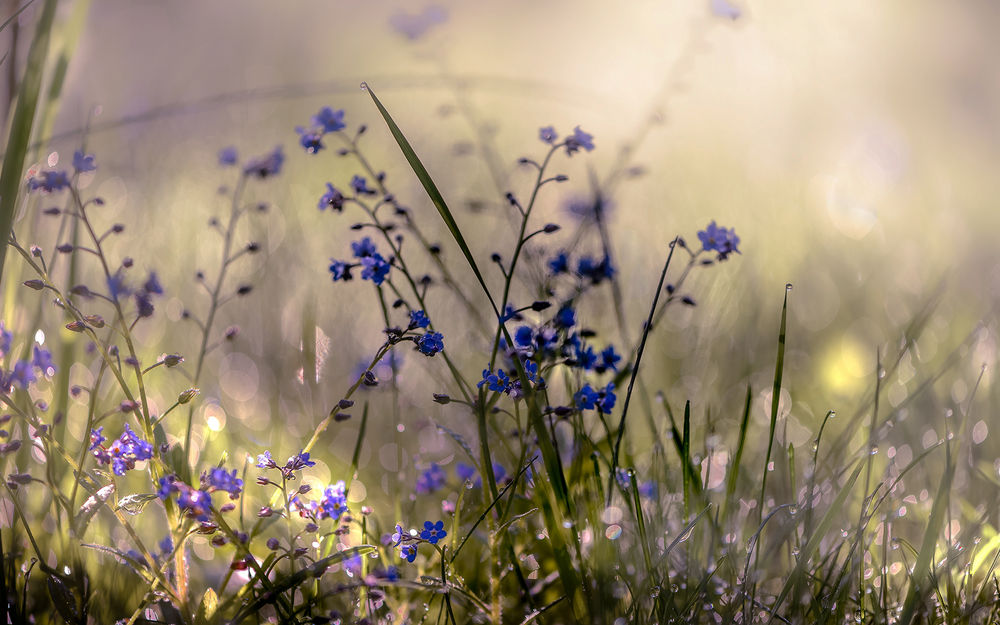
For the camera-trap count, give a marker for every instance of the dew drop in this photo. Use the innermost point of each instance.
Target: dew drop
(788, 287)
(364, 86)
(613, 532)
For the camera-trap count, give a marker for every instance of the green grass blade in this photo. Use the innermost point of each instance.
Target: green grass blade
(779, 366)
(734, 468)
(799, 572)
(432, 192)
(920, 581)
(21, 125)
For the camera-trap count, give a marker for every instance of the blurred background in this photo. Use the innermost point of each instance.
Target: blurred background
(852, 145)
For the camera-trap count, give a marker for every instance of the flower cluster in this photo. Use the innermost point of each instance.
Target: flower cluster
(196, 503)
(406, 541)
(123, 452)
(332, 505)
(718, 239)
(373, 265)
(23, 372)
(573, 143)
(587, 267)
(218, 479)
(325, 121)
(264, 166)
(603, 400)
(296, 463)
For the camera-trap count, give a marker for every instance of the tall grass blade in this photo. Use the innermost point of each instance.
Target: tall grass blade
(734, 468)
(775, 397)
(21, 125)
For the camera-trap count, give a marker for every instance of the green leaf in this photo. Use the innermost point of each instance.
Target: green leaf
(21, 125)
(207, 609)
(90, 508)
(63, 599)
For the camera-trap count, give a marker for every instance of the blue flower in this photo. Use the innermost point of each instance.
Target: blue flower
(408, 552)
(332, 198)
(340, 270)
(559, 263)
(430, 343)
(498, 381)
(609, 359)
(547, 134)
(311, 140)
(464, 471)
(266, 165)
(96, 438)
(649, 489)
(49, 181)
(298, 462)
(433, 532)
(219, 479)
(152, 284)
(363, 248)
(580, 139)
(166, 545)
(123, 452)
(197, 503)
(334, 502)
(597, 272)
(374, 268)
(43, 360)
(418, 319)
(531, 372)
(721, 240)
(329, 120)
(565, 318)
(228, 156)
(83, 162)
(431, 479)
(117, 286)
(586, 398)
(523, 336)
(360, 185)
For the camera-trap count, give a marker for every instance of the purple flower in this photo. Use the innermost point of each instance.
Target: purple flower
(340, 270)
(464, 471)
(83, 162)
(228, 156)
(579, 139)
(332, 198)
(123, 452)
(196, 503)
(589, 399)
(565, 318)
(596, 271)
(96, 438)
(430, 343)
(721, 240)
(363, 248)
(22, 375)
(524, 336)
(559, 263)
(152, 284)
(433, 532)
(43, 360)
(418, 319)
(266, 165)
(609, 359)
(375, 268)
(311, 140)
(399, 535)
(6, 337)
(166, 545)
(334, 502)
(219, 479)
(117, 286)
(329, 120)
(360, 185)
(49, 181)
(265, 461)
(548, 135)
(408, 552)
(498, 382)
(298, 462)
(432, 479)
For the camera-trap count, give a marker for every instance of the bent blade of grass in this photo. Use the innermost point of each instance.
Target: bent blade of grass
(21, 125)
(799, 572)
(568, 574)
(734, 468)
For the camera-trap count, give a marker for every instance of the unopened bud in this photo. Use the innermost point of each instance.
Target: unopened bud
(38, 285)
(187, 395)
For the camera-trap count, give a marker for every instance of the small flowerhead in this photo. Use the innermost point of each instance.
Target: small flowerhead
(264, 461)
(432, 479)
(430, 343)
(548, 135)
(718, 239)
(83, 162)
(228, 156)
(332, 198)
(579, 139)
(219, 479)
(418, 319)
(360, 186)
(310, 139)
(49, 181)
(408, 552)
(267, 165)
(433, 532)
(329, 120)
(399, 535)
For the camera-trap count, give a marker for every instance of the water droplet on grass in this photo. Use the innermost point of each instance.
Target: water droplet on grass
(364, 86)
